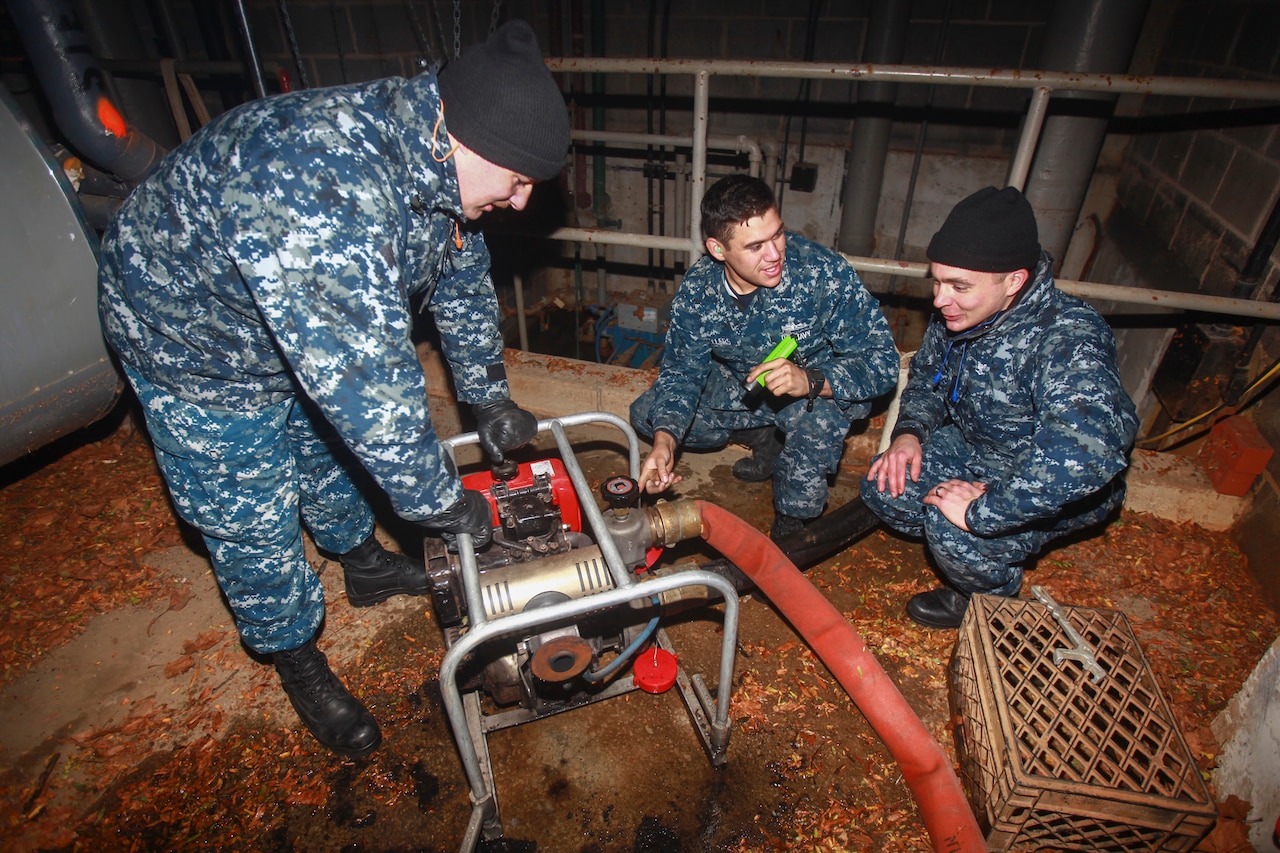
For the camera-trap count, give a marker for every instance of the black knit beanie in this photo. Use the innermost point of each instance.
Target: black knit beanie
(990, 231)
(501, 101)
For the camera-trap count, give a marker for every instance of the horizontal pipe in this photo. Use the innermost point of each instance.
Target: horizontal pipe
(195, 67)
(623, 238)
(1163, 299)
(1160, 299)
(1006, 78)
(714, 143)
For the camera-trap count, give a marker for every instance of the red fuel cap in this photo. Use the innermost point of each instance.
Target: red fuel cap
(655, 670)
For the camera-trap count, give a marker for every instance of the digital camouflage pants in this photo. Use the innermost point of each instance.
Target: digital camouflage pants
(969, 562)
(811, 450)
(248, 481)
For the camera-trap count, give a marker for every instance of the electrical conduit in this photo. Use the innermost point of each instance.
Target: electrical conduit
(926, 768)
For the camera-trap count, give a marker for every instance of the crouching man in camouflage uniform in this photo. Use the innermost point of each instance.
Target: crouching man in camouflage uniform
(257, 289)
(1013, 428)
(758, 284)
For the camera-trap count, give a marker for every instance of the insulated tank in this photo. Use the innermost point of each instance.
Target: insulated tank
(56, 374)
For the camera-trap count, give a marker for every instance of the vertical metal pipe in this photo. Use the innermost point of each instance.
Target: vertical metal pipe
(250, 50)
(75, 85)
(602, 276)
(1031, 126)
(698, 180)
(522, 324)
(680, 193)
(1093, 36)
(886, 40)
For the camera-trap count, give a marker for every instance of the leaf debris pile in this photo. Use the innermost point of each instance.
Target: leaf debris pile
(196, 773)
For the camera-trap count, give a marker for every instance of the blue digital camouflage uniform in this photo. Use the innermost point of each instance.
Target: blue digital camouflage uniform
(711, 345)
(257, 288)
(1029, 404)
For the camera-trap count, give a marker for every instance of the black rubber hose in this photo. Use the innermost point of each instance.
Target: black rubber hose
(829, 534)
(816, 541)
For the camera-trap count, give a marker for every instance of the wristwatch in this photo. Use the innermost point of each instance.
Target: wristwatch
(816, 383)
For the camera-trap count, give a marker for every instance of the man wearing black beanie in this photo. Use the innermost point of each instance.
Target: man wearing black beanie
(1014, 428)
(260, 289)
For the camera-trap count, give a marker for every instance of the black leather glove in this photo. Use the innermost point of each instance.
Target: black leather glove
(471, 514)
(503, 426)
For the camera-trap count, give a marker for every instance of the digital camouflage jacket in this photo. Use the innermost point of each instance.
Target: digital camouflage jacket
(1036, 395)
(712, 344)
(279, 250)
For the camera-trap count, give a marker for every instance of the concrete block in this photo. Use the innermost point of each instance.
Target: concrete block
(1249, 730)
(550, 386)
(1176, 488)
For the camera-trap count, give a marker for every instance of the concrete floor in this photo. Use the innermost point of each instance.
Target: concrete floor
(626, 773)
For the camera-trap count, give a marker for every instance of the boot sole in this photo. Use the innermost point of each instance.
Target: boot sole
(370, 599)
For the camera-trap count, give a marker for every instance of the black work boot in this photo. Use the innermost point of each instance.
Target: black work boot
(373, 574)
(336, 718)
(784, 526)
(943, 607)
(765, 445)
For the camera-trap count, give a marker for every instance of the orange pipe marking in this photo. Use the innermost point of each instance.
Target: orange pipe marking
(111, 118)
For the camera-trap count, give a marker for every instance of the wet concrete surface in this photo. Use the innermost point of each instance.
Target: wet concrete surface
(630, 772)
(154, 729)
(803, 770)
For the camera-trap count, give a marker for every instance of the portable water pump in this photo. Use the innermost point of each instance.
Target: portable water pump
(562, 609)
(541, 556)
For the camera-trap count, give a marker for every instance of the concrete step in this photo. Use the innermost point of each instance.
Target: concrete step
(1164, 485)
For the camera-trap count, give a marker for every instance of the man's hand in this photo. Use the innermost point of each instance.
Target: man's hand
(904, 457)
(503, 426)
(657, 472)
(784, 379)
(471, 514)
(953, 497)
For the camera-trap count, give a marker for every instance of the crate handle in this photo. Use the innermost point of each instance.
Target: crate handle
(1083, 652)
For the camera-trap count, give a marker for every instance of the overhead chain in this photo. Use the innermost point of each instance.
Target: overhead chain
(424, 43)
(435, 15)
(293, 46)
(493, 18)
(457, 24)
(457, 28)
(337, 37)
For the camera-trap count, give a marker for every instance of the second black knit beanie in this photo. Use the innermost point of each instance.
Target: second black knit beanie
(993, 230)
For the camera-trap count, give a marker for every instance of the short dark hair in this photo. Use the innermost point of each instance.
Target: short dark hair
(732, 201)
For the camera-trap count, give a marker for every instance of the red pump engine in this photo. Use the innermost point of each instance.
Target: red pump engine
(533, 504)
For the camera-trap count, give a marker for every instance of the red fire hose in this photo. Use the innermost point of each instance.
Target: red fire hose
(926, 768)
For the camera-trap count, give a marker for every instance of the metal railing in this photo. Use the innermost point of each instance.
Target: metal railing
(1041, 84)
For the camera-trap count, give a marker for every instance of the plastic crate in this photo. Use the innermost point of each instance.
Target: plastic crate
(1051, 760)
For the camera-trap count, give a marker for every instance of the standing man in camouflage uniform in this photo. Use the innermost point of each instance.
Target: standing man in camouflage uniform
(758, 284)
(257, 289)
(1014, 428)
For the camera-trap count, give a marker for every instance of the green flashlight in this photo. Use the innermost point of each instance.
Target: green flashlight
(785, 347)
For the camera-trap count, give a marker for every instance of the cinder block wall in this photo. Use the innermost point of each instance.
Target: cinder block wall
(1204, 191)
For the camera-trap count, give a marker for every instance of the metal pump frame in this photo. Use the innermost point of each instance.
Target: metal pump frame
(470, 726)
